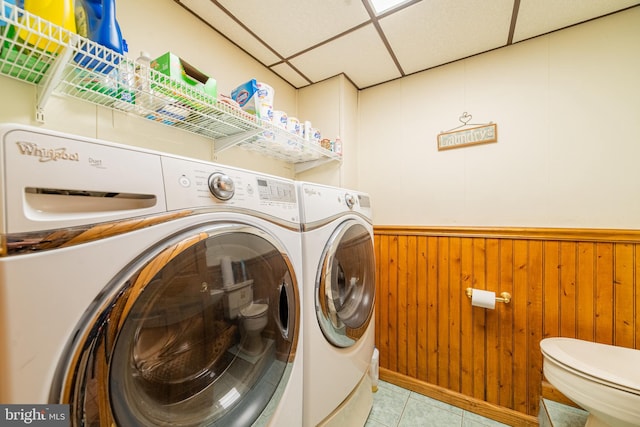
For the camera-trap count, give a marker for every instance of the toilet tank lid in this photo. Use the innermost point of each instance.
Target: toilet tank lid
(235, 286)
(613, 364)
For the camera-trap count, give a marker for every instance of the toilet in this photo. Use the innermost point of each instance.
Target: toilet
(238, 304)
(603, 379)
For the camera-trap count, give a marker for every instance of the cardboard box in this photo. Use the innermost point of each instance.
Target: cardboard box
(179, 70)
(255, 98)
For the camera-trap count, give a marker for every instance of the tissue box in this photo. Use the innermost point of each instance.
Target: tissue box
(255, 98)
(178, 69)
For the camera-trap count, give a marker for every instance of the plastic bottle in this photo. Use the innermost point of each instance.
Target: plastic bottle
(374, 369)
(148, 101)
(337, 146)
(144, 98)
(126, 86)
(58, 12)
(82, 17)
(96, 20)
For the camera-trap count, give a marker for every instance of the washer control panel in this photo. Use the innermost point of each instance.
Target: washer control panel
(193, 184)
(275, 190)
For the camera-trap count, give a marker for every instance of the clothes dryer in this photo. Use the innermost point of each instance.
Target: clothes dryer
(147, 289)
(338, 304)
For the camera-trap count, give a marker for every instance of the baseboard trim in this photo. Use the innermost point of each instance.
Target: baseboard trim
(480, 407)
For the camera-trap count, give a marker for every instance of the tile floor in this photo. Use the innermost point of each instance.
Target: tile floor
(564, 416)
(395, 406)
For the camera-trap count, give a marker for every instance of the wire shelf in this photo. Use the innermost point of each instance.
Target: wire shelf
(58, 61)
(29, 44)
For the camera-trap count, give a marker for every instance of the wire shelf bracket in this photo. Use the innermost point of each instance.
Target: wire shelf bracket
(53, 77)
(304, 166)
(221, 144)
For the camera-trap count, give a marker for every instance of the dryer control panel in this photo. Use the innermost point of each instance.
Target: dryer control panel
(193, 184)
(320, 202)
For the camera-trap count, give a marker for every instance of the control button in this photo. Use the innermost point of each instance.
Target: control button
(349, 200)
(184, 181)
(221, 186)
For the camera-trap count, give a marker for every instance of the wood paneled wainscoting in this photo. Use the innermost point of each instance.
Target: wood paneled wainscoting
(580, 283)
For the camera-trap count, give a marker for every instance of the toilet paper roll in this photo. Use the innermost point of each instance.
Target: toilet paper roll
(484, 299)
(265, 93)
(280, 118)
(293, 125)
(306, 130)
(227, 271)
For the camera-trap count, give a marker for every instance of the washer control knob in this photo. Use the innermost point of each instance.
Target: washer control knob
(349, 200)
(221, 186)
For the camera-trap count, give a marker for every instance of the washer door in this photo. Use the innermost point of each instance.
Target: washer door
(164, 346)
(345, 284)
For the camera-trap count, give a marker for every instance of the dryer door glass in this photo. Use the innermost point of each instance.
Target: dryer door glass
(201, 331)
(345, 287)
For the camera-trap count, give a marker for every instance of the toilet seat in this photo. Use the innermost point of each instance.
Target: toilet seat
(593, 361)
(254, 310)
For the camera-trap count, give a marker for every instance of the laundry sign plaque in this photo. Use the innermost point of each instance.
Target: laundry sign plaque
(471, 136)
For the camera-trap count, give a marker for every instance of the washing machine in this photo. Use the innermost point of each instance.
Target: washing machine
(338, 304)
(142, 288)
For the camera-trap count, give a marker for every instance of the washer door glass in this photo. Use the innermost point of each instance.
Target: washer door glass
(345, 287)
(200, 332)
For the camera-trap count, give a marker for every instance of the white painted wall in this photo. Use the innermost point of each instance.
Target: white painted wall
(567, 106)
(333, 104)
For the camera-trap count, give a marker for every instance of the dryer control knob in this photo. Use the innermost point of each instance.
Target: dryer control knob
(221, 186)
(349, 200)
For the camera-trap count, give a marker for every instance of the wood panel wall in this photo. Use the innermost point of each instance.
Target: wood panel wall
(572, 283)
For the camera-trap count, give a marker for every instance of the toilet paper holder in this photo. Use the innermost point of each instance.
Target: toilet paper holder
(504, 297)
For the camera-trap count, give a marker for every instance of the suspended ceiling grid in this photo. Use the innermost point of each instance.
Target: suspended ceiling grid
(307, 41)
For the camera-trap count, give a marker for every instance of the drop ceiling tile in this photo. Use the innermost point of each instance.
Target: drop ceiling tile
(434, 32)
(289, 74)
(290, 27)
(361, 55)
(298, 39)
(219, 20)
(537, 17)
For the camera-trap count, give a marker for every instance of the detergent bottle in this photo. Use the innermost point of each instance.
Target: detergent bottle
(57, 12)
(96, 20)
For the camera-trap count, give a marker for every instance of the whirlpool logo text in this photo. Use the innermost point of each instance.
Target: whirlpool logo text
(46, 154)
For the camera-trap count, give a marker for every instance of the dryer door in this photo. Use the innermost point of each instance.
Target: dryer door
(345, 285)
(167, 343)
